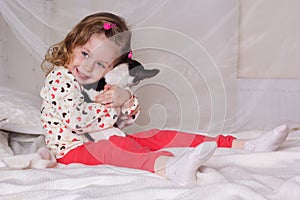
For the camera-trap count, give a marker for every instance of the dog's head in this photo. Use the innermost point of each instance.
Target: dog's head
(127, 75)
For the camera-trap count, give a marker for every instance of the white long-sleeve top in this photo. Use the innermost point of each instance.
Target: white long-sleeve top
(66, 117)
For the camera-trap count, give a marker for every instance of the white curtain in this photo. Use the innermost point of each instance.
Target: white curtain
(201, 46)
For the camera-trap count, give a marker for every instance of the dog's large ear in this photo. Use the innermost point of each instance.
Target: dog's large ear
(101, 84)
(137, 70)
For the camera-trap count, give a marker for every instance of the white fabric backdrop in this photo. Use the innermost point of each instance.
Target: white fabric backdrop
(190, 93)
(196, 89)
(269, 39)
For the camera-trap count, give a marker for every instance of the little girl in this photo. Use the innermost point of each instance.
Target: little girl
(92, 48)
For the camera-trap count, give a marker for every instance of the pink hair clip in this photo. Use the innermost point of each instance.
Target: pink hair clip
(130, 55)
(108, 25)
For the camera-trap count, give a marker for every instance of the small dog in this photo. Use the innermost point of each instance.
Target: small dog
(124, 75)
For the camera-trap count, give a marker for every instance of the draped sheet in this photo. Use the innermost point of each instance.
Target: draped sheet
(194, 44)
(207, 51)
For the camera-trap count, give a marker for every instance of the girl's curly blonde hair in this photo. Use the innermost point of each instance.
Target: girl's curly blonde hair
(60, 54)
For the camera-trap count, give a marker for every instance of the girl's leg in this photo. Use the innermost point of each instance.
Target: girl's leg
(117, 151)
(157, 139)
(182, 169)
(125, 152)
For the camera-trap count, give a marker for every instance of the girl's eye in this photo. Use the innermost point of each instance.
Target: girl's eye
(85, 54)
(100, 65)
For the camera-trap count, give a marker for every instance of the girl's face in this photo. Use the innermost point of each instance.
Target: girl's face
(90, 62)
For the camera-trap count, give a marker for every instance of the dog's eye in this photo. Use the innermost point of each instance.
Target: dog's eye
(135, 82)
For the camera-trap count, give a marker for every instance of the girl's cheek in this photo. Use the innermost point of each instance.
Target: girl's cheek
(101, 73)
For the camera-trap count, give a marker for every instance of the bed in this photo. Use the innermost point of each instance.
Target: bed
(229, 174)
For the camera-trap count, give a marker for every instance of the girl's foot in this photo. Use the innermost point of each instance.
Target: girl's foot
(269, 141)
(182, 170)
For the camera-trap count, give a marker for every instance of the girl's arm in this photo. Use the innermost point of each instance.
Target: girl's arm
(65, 95)
(129, 112)
(114, 96)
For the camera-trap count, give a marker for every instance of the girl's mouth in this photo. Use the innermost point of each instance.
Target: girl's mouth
(81, 75)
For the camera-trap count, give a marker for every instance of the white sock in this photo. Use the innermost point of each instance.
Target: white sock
(182, 170)
(269, 141)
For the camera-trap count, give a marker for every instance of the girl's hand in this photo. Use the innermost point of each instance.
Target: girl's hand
(113, 96)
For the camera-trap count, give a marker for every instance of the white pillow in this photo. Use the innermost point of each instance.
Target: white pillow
(22, 109)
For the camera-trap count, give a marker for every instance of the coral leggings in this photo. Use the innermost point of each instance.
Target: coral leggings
(139, 150)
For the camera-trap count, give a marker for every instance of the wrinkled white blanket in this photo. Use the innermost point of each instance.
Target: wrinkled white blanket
(230, 174)
(13, 155)
(42, 159)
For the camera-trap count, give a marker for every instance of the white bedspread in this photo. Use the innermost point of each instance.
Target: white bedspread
(230, 174)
